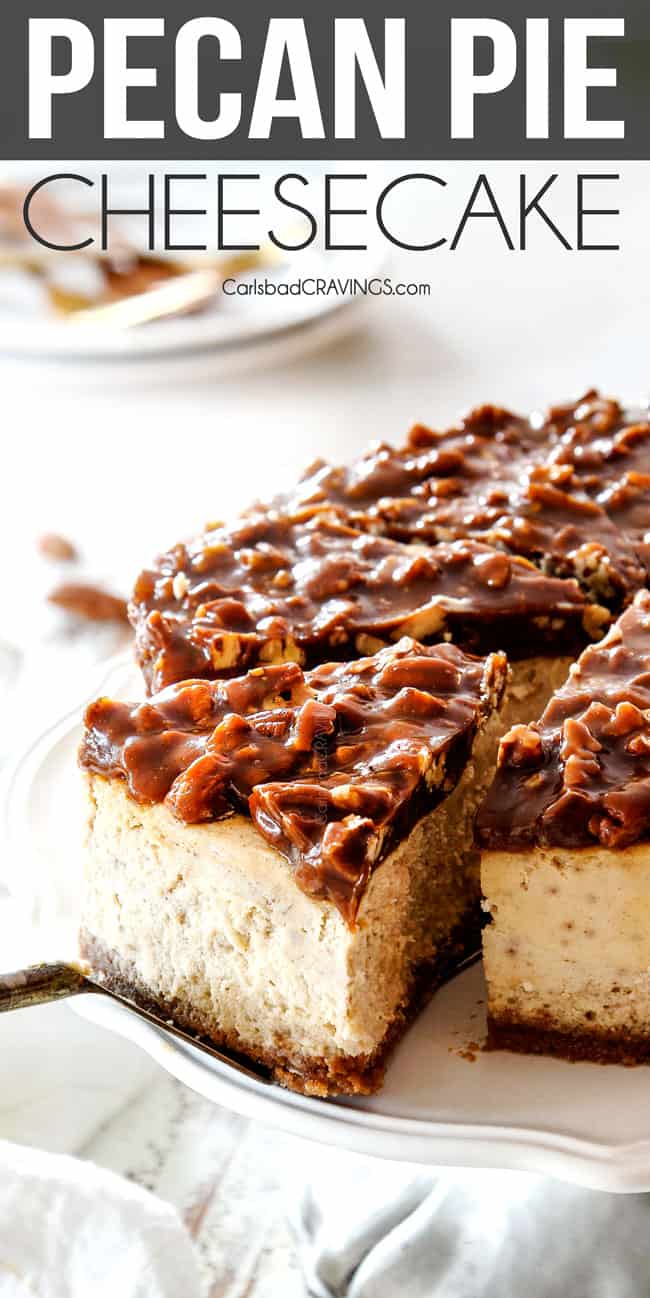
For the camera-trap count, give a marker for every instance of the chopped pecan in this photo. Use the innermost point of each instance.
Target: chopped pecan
(92, 603)
(314, 720)
(521, 746)
(56, 547)
(494, 570)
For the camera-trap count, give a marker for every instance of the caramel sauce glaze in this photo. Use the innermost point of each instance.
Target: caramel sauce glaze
(334, 765)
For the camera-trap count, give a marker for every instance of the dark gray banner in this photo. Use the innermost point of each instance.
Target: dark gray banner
(504, 97)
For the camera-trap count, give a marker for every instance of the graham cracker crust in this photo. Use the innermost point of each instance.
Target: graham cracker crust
(592, 1045)
(322, 1077)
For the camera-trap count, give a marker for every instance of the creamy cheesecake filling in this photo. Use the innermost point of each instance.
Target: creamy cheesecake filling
(567, 953)
(565, 832)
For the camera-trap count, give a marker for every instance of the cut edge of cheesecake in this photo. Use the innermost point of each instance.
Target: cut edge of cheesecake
(567, 955)
(565, 867)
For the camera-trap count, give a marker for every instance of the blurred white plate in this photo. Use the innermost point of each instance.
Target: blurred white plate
(581, 1122)
(228, 329)
(231, 327)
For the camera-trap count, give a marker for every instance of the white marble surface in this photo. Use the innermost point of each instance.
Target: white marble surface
(126, 460)
(229, 1179)
(69, 1087)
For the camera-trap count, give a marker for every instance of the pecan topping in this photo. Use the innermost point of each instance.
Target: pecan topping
(521, 746)
(343, 559)
(585, 772)
(349, 592)
(334, 765)
(494, 570)
(541, 488)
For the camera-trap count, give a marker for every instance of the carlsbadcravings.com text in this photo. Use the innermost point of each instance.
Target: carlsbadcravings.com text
(319, 286)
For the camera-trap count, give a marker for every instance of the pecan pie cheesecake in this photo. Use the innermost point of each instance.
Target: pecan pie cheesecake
(284, 861)
(565, 831)
(281, 854)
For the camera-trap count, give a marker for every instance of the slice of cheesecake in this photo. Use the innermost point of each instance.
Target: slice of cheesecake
(565, 833)
(284, 861)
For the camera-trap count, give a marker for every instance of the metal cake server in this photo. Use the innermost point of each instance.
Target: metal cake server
(42, 983)
(55, 982)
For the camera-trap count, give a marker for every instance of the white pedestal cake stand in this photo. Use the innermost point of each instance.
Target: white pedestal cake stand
(445, 1101)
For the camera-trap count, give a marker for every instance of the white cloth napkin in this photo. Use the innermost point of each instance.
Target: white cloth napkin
(69, 1229)
(378, 1230)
